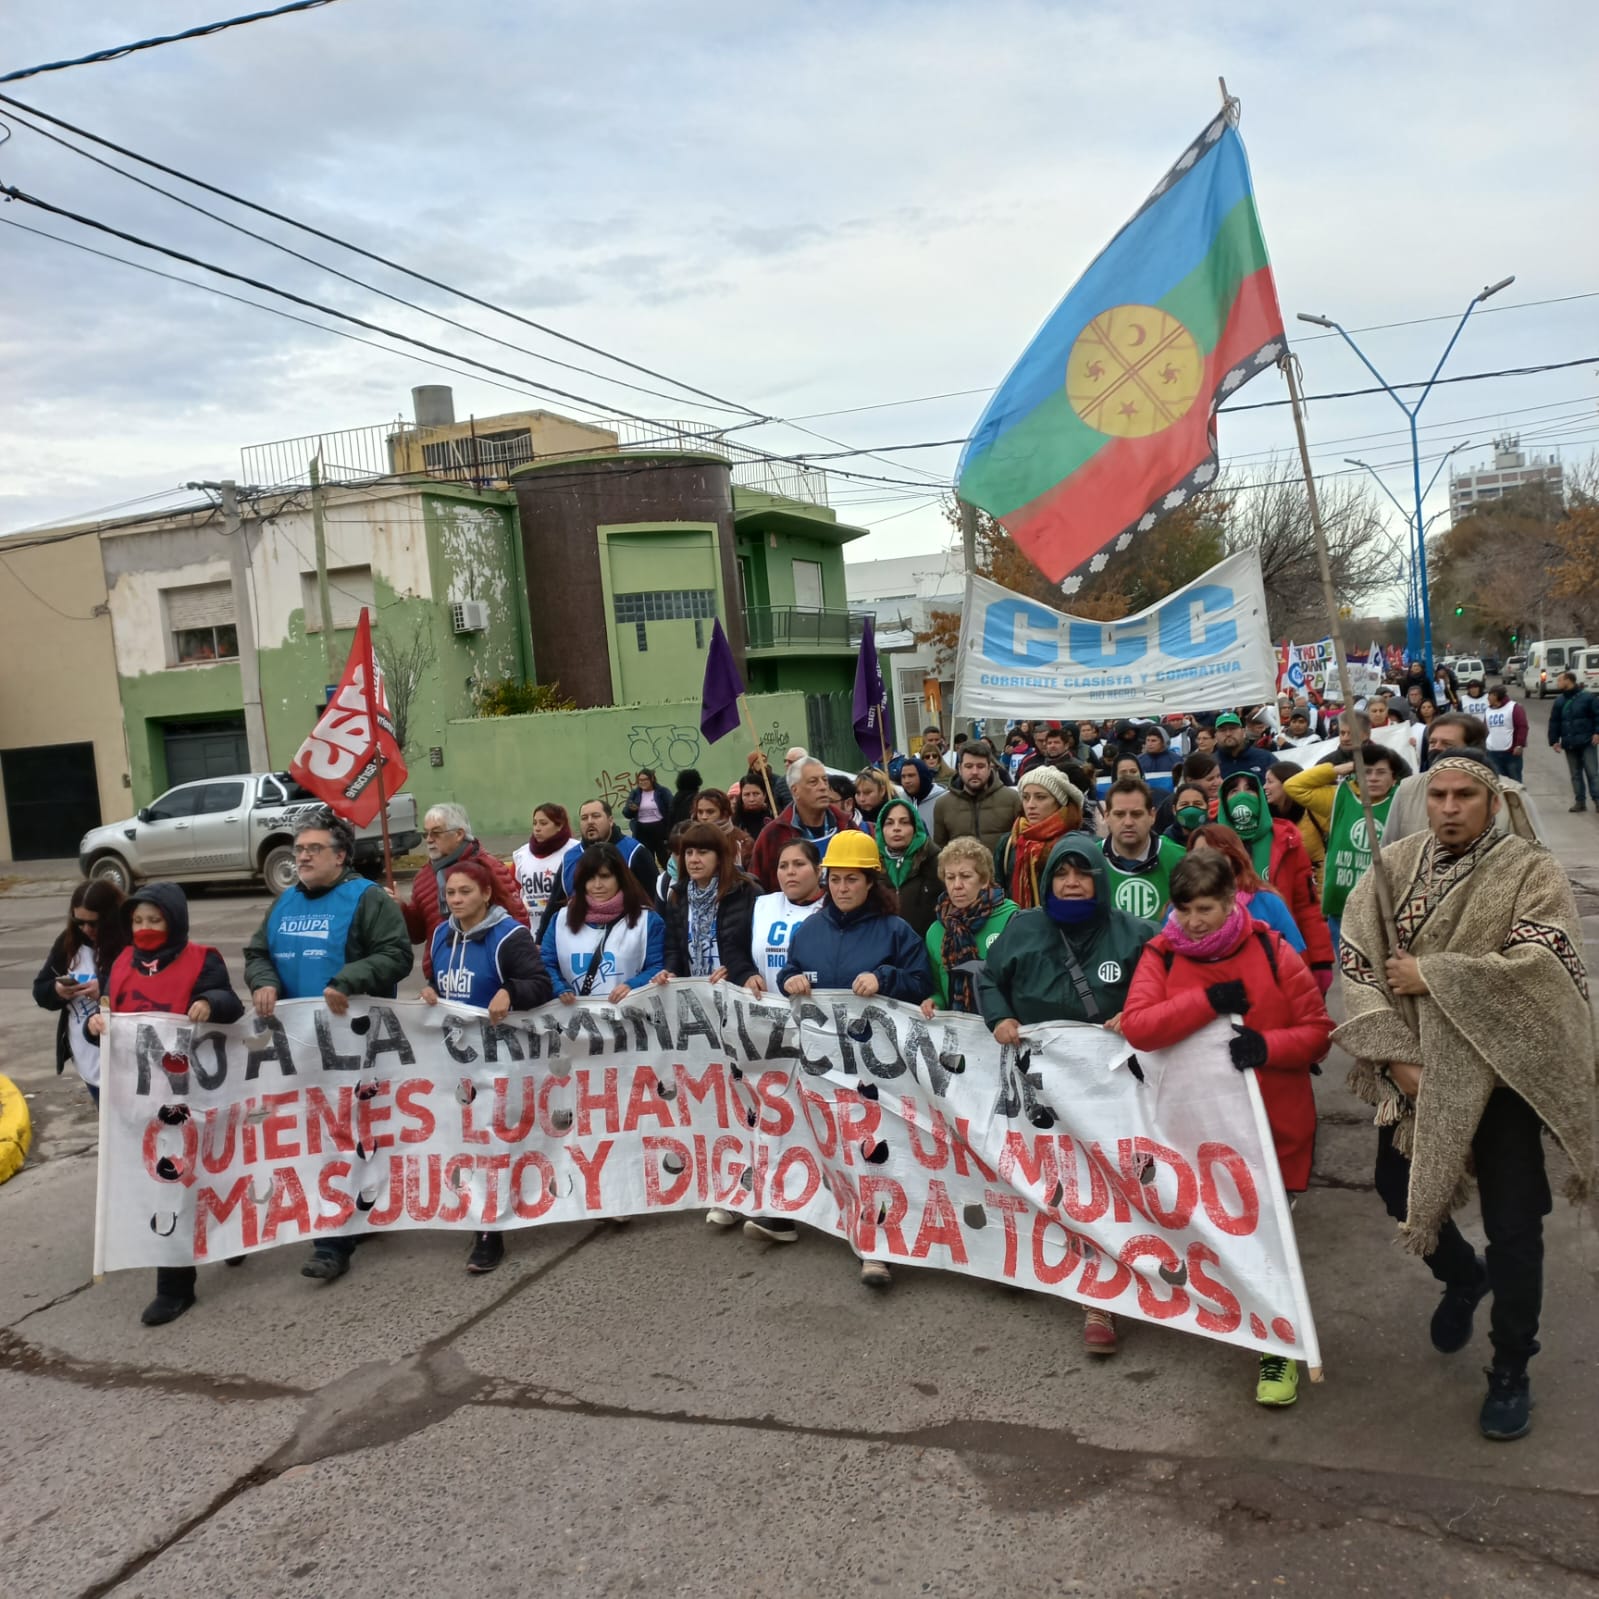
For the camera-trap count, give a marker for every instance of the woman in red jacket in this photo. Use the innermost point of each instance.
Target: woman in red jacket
(1212, 959)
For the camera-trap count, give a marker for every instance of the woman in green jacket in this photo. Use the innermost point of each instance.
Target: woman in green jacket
(972, 912)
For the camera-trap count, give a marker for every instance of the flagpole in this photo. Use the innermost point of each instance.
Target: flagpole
(760, 765)
(1385, 901)
(369, 666)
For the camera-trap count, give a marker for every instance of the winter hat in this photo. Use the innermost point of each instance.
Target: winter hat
(1229, 719)
(1056, 784)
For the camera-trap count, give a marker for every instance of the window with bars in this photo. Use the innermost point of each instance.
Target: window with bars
(201, 623)
(665, 605)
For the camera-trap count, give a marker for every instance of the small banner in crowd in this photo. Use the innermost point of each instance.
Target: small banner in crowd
(1206, 645)
(339, 760)
(1054, 1166)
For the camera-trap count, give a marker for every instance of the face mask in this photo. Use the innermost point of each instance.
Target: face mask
(1243, 810)
(1191, 815)
(149, 938)
(1070, 912)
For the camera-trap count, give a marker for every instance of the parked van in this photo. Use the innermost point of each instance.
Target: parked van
(1469, 669)
(1546, 660)
(1585, 663)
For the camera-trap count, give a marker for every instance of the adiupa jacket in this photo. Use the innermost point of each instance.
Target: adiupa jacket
(1168, 1003)
(471, 967)
(783, 829)
(173, 977)
(1029, 973)
(425, 909)
(351, 937)
(986, 815)
(834, 947)
(914, 876)
(1574, 719)
(735, 931)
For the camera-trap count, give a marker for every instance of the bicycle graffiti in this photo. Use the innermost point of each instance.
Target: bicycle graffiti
(669, 748)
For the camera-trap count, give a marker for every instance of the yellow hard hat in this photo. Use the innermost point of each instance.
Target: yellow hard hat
(852, 850)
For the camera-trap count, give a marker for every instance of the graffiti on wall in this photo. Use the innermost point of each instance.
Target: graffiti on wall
(614, 787)
(775, 744)
(667, 748)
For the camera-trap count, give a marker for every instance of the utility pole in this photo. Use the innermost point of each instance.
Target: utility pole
(324, 598)
(255, 732)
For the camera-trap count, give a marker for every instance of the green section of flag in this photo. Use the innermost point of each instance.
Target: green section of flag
(1052, 441)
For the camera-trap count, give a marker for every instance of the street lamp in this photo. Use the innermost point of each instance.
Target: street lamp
(1412, 609)
(1411, 412)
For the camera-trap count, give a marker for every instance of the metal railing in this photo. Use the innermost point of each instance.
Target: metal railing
(775, 627)
(360, 455)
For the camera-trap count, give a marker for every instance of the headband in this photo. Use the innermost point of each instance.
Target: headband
(1472, 767)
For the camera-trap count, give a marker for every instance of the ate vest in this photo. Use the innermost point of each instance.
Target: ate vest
(1501, 720)
(1145, 894)
(467, 970)
(171, 989)
(307, 937)
(1348, 848)
(626, 949)
(774, 922)
(536, 876)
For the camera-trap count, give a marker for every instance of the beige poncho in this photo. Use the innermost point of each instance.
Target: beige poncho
(1496, 936)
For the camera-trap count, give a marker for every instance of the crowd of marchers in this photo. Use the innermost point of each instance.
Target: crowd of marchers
(1144, 877)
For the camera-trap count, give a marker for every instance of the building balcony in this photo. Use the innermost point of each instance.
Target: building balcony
(798, 629)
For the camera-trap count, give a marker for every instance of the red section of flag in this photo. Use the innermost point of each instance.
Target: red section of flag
(339, 760)
(1106, 495)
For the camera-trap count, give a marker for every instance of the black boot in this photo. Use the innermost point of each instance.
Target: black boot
(1451, 1321)
(487, 1252)
(174, 1293)
(1507, 1411)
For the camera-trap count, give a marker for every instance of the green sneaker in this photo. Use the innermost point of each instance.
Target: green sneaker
(1279, 1381)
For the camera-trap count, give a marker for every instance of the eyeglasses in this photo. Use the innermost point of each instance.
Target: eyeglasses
(311, 849)
(439, 832)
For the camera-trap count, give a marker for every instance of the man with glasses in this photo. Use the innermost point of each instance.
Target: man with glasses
(447, 838)
(331, 935)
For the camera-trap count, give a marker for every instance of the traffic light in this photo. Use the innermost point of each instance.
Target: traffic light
(1460, 610)
(1512, 638)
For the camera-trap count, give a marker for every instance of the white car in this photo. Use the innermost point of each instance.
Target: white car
(1585, 663)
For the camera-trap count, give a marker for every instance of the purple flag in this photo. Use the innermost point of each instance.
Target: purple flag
(723, 685)
(870, 732)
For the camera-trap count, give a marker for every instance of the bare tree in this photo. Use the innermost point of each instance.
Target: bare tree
(1272, 516)
(405, 659)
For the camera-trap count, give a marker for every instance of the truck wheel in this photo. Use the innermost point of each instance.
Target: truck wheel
(277, 867)
(112, 869)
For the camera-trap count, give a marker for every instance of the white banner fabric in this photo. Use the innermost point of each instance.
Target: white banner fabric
(1056, 1166)
(1205, 646)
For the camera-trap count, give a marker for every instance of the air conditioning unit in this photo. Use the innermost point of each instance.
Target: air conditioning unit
(469, 616)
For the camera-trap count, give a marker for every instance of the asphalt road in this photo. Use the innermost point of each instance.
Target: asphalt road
(660, 1409)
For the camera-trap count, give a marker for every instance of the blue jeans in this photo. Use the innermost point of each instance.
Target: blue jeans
(1505, 764)
(1584, 761)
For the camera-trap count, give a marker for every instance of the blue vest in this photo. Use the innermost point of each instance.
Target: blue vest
(307, 937)
(643, 869)
(466, 971)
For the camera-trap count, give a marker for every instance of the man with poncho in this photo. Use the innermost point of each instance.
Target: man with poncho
(1471, 1037)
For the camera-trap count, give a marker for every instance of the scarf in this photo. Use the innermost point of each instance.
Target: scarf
(441, 867)
(899, 868)
(959, 950)
(702, 903)
(1213, 946)
(604, 911)
(1030, 844)
(555, 842)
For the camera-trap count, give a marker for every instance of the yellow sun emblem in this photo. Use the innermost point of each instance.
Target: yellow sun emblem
(1133, 371)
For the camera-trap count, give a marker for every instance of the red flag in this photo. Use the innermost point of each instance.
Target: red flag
(339, 760)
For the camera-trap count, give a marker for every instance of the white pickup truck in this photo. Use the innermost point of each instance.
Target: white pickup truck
(228, 829)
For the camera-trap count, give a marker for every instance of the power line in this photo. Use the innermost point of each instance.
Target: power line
(11, 192)
(360, 283)
(117, 52)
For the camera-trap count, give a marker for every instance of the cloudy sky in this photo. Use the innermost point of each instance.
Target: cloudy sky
(820, 211)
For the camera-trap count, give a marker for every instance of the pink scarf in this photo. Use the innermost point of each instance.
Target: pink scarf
(604, 911)
(1213, 946)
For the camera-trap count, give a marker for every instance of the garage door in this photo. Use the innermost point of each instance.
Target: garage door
(198, 750)
(52, 799)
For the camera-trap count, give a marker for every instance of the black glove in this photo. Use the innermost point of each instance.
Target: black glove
(1248, 1048)
(1228, 999)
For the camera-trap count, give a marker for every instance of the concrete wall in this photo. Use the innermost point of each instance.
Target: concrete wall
(59, 684)
(501, 767)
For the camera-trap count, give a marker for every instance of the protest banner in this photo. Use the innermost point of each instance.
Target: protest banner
(1054, 1166)
(1207, 644)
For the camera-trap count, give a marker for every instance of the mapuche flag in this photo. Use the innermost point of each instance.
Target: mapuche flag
(1109, 417)
(339, 761)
